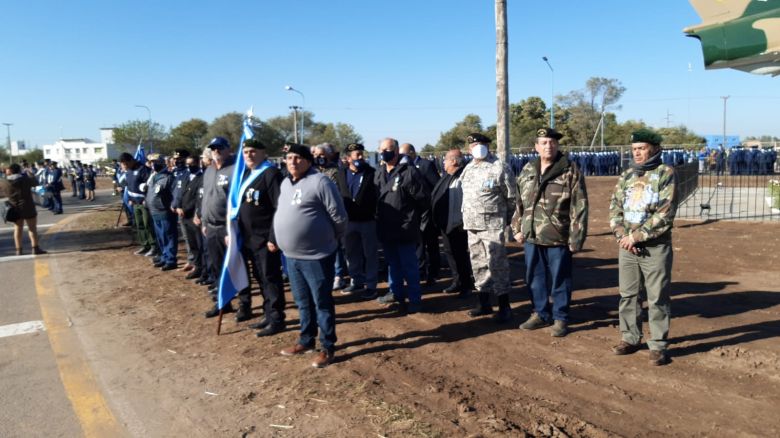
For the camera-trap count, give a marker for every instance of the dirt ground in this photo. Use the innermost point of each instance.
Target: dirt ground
(439, 373)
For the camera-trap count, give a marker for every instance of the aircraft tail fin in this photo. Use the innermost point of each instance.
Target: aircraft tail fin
(718, 11)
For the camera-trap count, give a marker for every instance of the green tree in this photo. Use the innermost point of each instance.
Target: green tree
(190, 135)
(680, 135)
(525, 118)
(581, 110)
(337, 134)
(134, 132)
(229, 125)
(456, 137)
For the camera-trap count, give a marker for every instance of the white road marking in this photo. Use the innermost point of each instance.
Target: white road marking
(15, 258)
(21, 328)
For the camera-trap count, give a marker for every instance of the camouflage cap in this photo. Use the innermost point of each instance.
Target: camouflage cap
(155, 158)
(548, 133)
(476, 137)
(646, 136)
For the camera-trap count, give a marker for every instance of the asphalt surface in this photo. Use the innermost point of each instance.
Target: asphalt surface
(33, 398)
(33, 401)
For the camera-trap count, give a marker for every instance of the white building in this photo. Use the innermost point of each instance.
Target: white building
(83, 149)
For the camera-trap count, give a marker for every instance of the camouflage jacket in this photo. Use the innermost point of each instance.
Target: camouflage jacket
(552, 207)
(330, 170)
(644, 206)
(488, 194)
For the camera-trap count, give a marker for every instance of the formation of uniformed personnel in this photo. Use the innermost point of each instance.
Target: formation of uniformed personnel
(641, 214)
(551, 220)
(488, 204)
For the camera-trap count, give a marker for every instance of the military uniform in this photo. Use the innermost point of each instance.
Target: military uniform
(642, 208)
(488, 200)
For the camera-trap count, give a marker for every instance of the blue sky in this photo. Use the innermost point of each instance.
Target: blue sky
(406, 69)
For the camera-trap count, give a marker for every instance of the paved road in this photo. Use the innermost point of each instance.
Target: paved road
(46, 383)
(46, 219)
(33, 401)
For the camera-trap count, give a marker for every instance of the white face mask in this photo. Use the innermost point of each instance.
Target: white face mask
(479, 151)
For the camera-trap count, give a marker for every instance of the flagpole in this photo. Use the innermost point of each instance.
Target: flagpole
(219, 322)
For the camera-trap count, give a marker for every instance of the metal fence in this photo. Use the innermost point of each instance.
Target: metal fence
(733, 197)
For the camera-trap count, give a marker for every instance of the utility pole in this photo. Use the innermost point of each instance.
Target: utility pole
(668, 118)
(725, 98)
(295, 122)
(552, 92)
(502, 84)
(8, 141)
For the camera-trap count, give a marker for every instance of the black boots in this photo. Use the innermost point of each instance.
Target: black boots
(483, 306)
(504, 310)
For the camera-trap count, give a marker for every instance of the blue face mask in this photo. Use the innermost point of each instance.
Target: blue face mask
(357, 163)
(388, 156)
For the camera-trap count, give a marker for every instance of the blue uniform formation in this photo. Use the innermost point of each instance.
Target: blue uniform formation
(752, 161)
(677, 157)
(590, 163)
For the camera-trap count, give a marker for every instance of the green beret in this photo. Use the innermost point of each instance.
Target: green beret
(646, 136)
(548, 133)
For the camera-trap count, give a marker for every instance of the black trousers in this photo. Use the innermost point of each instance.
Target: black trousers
(428, 257)
(456, 248)
(215, 241)
(194, 238)
(266, 268)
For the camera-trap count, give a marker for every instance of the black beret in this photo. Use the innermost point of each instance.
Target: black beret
(181, 153)
(549, 133)
(253, 143)
(302, 150)
(646, 136)
(476, 137)
(354, 147)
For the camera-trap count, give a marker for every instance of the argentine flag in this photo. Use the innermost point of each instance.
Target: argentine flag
(140, 155)
(234, 277)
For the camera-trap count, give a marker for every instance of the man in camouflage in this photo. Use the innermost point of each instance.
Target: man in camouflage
(488, 199)
(551, 220)
(641, 215)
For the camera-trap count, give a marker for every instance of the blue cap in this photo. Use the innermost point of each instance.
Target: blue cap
(219, 143)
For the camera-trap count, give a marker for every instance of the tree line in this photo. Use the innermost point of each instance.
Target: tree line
(194, 134)
(579, 116)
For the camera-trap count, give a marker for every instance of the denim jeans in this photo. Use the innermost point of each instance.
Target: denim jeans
(340, 264)
(165, 231)
(311, 282)
(402, 265)
(553, 263)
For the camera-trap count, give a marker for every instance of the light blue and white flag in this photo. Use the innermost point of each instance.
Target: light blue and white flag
(140, 155)
(234, 277)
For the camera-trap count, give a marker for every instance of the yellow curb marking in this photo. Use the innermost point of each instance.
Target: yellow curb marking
(82, 389)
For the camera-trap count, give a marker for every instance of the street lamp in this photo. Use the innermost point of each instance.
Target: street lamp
(303, 111)
(552, 92)
(8, 139)
(151, 145)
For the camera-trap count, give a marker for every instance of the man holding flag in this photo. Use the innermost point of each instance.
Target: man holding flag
(258, 194)
(214, 211)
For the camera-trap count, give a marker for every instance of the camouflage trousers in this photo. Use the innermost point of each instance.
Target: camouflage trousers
(653, 268)
(488, 261)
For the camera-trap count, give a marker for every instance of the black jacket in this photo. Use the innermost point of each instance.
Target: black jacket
(190, 195)
(440, 200)
(257, 208)
(430, 176)
(363, 207)
(402, 197)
